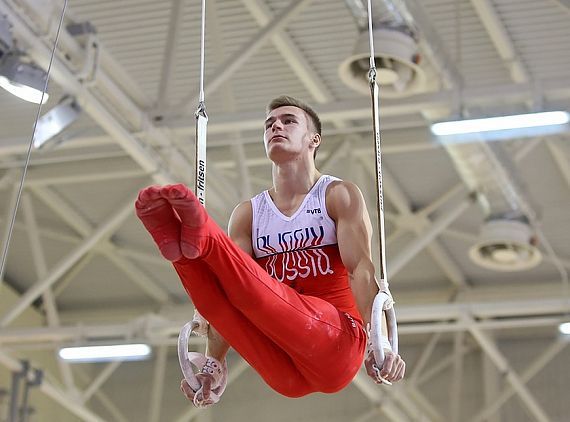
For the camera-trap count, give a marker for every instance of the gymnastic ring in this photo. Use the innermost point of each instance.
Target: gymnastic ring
(376, 328)
(187, 359)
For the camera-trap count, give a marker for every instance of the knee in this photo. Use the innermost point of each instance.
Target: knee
(293, 389)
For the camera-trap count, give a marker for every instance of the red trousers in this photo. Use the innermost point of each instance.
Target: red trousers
(298, 344)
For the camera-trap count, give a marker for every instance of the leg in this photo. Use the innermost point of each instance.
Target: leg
(269, 360)
(326, 345)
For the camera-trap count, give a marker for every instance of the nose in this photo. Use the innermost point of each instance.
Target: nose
(276, 125)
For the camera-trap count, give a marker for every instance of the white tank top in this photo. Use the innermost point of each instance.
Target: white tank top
(301, 251)
(309, 227)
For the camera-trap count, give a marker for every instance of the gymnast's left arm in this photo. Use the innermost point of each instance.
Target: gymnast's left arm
(345, 204)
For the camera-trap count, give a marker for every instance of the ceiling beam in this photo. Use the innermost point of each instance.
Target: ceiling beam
(233, 63)
(505, 369)
(501, 39)
(103, 231)
(104, 399)
(564, 3)
(378, 397)
(169, 58)
(560, 158)
(291, 53)
(111, 113)
(533, 369)
(360, 108)
(48, 297)
(428, 234)
(101, 378)
(78, 223)
(413, 319)
(420, 221)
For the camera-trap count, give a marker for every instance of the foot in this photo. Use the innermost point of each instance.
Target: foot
(160, 221)
(192, 215)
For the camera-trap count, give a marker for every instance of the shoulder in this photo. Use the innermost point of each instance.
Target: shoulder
(239, 227)
(241, 217)
(343, 197)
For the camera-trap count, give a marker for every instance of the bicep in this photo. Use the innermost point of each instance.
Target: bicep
(239, 226)
(354, 229)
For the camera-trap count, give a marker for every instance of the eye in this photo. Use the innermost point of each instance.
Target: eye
(289, 120)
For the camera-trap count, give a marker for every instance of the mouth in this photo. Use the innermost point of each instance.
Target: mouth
(277, 137)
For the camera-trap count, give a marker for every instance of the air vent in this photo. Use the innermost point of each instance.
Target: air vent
(506, 245)
(397, 58)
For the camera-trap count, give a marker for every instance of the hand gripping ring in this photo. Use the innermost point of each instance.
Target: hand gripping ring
(190, 360)
(376, 330)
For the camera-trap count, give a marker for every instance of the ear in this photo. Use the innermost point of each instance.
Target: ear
(316, 140)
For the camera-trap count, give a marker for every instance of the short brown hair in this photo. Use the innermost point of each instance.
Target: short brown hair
(285, 100)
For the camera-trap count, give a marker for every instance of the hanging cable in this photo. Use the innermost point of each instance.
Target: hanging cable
(30, 145)
(198, 324)
(201, 122)
(383, 278)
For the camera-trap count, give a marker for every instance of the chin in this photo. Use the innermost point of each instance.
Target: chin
(279, 155)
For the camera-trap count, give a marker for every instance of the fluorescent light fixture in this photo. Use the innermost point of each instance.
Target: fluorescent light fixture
(56, 120)
(519, 121)
(564, 328)
(105, 353)
(24, 80)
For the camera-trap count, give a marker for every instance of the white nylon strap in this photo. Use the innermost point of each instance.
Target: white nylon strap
(378, 340)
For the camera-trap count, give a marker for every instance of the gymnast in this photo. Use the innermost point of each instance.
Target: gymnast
(291, 287)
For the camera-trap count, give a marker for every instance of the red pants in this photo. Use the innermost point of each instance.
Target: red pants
(298, 344)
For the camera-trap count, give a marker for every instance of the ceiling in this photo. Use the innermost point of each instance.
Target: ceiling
(480, 344)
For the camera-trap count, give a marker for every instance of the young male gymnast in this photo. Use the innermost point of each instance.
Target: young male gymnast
(291, 288)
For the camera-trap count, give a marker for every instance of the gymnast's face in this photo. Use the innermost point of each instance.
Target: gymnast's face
(288, 133)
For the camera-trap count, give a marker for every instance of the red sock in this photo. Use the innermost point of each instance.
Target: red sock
(192, 215)
(160, 221)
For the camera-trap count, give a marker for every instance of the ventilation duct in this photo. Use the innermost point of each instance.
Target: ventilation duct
(396, 51)
(506, 240)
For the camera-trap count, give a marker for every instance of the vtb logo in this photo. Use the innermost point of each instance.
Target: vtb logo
(315, 211)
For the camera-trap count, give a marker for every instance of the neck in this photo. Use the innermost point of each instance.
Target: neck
(294, 177)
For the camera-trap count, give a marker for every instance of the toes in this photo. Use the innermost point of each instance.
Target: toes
(148, 197)
(177, 191)
(186, 205)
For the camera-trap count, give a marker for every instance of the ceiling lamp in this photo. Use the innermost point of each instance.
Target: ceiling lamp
(120, 352)
(518, 121)
(22, 79)
(505, 245)
(397, 63)
(56, 120)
